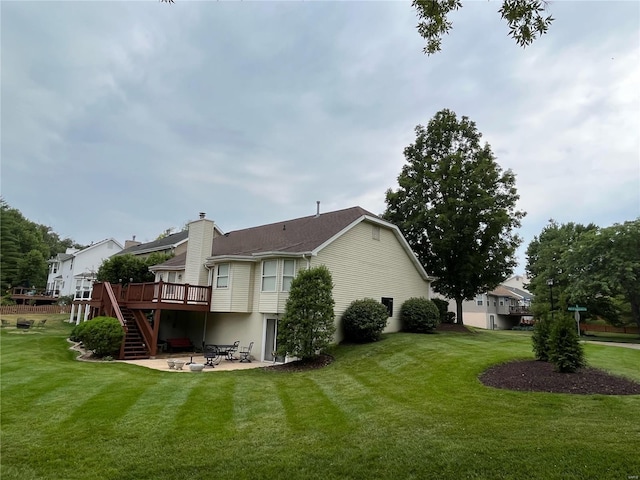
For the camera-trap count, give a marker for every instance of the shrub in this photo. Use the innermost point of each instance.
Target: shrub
(443, 307)
(364, 320)
(65, 300)
(565, 349)
(76, 333)
(102, 335)
(540, 339)
(307, 326)
(419, 315)
(7, 300)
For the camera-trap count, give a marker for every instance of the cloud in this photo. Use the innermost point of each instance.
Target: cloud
(130, 118)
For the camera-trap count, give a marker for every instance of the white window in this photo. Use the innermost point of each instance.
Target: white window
(288, 272)
(172, 277)
(269, 270)
(222, 275)
(479, 300)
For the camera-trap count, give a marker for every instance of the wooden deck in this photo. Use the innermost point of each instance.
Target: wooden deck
(32, 296)
(157, 296)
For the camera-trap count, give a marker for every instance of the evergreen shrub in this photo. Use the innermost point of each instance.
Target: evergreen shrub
(419, 315)
(364, 320)
(540, 339)
(102, 335)
(565, 349)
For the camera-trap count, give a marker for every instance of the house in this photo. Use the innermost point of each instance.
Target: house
(235, 286)
(503, 308)
(73, 272)
(172, 244)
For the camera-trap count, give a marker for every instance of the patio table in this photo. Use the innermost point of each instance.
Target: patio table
(214, 353)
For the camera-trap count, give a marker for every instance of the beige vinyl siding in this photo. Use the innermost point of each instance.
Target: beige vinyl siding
(200, 241)
(275, 302)
(242, 287)
(477, 319)
(238, 296)
(180, 249)
(363, 267)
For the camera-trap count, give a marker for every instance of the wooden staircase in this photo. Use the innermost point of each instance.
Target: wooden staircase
(134, 346)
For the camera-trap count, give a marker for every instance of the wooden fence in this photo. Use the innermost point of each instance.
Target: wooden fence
(585, 327)
(25, 309)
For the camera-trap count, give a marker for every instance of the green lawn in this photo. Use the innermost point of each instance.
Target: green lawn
(410, 406)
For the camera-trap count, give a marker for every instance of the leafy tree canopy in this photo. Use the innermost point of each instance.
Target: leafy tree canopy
(456, 208)
(129, 268)
(26, 246)
(598, 268)
(526, 20)
(307, 326)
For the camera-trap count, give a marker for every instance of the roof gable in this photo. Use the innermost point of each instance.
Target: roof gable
(300, 235)
(161, 244)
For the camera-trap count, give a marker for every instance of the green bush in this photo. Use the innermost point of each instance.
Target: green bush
(540, 339)
(364, 320)
(443, 307)
(102, 335)
(76, 333)
(419, 315)
(65, 300)
(565, 349)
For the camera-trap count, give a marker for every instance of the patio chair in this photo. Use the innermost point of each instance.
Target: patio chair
(233, 350)
(212, 355)
(41, 323)
(245, 352)
(5, 323)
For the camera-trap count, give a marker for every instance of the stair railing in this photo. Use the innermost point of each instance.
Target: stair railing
(111, 304)
(145, 329)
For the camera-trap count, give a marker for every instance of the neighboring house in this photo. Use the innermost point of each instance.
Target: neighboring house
(73, 272)
(174, 244)
(500, 309)
(235, 286)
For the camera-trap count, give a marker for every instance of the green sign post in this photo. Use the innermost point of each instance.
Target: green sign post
(577, 309)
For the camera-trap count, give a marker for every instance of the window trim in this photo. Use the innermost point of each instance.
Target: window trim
(219, 277)
(283, 274)
(274, 276)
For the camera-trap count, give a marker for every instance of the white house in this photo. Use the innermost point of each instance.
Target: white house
(73, 272)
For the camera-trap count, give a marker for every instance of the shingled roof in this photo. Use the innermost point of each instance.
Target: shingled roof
(297, 236)
(300, 235)
(157, 245)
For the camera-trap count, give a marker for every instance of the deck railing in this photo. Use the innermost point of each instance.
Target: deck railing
(31, 292)
(519, 310)
(175, 293)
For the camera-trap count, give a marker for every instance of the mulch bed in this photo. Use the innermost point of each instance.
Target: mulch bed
(537, 376)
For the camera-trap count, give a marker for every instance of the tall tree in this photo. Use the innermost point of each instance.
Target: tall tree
(307, 326)
(593, 267)
(605, 264)
(20, 237)
(546, 262)
(526, 20)
(456, 208)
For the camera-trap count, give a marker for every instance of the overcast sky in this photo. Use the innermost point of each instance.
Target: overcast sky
(128, 118)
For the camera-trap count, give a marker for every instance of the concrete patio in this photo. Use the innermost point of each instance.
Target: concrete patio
(160, 363)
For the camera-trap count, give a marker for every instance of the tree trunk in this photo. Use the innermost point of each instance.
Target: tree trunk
(459, 320)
